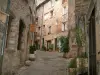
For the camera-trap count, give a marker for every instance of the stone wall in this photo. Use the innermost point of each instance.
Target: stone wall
(77, 12)
(97, 19)
(55, 20)
(13, 58)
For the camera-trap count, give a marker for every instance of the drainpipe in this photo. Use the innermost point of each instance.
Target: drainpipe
(4, 36)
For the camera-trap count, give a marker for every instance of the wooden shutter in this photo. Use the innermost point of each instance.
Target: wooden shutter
(32, 28)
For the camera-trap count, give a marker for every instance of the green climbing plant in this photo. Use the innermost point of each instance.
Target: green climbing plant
(64, 45)
(80, 38)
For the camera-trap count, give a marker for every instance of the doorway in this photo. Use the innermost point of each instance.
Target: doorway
(48, 44)
(21, 29)
(92, 45)
(56, 44)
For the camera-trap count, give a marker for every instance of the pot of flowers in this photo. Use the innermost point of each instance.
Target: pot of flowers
(72, 67)
(32, 52)
(82, 64)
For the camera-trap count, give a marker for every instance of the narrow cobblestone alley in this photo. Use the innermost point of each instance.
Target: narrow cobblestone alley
(46, 63)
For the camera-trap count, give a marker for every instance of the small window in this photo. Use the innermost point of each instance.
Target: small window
(65, 10)
(43, 26)
(46, 16)
(63, 26)
(51, 12)
(49, 30)
(38, 28)
(56, 0)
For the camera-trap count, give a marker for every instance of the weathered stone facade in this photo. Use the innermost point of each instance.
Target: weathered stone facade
(52, 14)
(97, 26)
(16, 51)
(90, 9)
(77, 15)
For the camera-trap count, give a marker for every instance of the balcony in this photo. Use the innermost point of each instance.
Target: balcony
(65, 18)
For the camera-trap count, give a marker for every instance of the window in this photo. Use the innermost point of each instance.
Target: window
(56, 0)
(56, 21)
(51, 12)
(64, 10)
(63, 26)
(43, 27)
(37, 19)
(49, 30)
(39, 28)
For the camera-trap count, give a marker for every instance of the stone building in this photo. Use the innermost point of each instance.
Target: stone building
(4, 5)
(16, 50)
(87, 16)
(52, 22)
(76, 17)
(93, 22)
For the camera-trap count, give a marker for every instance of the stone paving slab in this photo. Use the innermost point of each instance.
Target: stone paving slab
(46, 63)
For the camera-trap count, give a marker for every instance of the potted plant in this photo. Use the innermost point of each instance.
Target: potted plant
(32, 50)
(82, 57)
(82, 63)
(72, 67)
(64, 46)
(80, 39)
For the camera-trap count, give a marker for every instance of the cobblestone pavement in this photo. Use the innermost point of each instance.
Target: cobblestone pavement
(46, 63)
